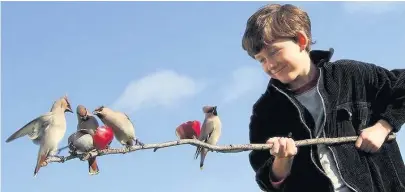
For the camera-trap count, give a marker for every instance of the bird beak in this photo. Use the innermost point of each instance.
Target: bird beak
(95, 112)
(69, 110)
(214, 110)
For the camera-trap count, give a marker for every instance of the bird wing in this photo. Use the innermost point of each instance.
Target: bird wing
(124, 114)
(34, 129)
(206, 131)
(71, 138)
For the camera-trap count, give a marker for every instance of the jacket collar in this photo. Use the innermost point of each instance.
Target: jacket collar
(318, 57)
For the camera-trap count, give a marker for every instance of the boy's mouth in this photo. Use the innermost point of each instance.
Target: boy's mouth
(277, 71)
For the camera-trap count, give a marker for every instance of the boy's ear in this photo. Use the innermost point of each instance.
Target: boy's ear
(302, 40)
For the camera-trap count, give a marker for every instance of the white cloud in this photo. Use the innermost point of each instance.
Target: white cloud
(371, 7)
(162, 88)
(244, 80)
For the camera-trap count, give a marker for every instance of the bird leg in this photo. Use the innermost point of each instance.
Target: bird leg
(138, 142)
(128, 145)
(127, 148)
(84, 157)
(87, 155)
(61, 149)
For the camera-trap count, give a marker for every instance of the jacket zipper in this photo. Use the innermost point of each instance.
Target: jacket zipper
(309, 131)
(323, 131)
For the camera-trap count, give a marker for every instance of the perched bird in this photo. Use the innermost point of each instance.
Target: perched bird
(210, 131)
(124, 130)
(82, 140)
(85, 119)
(46, 131)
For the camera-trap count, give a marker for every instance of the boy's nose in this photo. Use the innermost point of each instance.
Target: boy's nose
(270, 64)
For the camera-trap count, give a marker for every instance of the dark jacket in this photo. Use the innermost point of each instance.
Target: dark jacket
(356, 95)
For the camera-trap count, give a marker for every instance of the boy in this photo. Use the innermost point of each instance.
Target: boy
(309, 96)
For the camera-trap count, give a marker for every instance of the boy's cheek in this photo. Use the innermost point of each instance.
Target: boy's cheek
(286, 76)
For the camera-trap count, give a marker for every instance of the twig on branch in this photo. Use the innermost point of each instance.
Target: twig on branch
(221, 149)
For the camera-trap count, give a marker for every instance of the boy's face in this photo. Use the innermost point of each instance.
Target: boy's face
(285, 59)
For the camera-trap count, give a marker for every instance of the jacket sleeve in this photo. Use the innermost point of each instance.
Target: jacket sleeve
(261, 161)
(386, 89)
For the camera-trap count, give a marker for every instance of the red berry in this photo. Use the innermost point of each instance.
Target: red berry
(197, 128)
(102, 137)
(188, 130)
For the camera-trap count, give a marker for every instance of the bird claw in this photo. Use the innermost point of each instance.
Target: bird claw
(61, 149)
(127, 149)
(85, 156)
(138, 142)
(58, 152)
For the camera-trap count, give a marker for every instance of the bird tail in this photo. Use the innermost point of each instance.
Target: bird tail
(199, 149)
(203, 155)
(197, 152)
(40, 160)
(93, 167)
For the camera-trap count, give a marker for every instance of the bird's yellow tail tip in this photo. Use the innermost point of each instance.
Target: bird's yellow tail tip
(201, 168)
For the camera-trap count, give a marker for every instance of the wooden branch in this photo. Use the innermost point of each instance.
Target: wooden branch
(221, 149)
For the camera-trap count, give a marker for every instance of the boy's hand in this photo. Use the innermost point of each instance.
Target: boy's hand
(282, 147)
(284, 150)
(371, 139)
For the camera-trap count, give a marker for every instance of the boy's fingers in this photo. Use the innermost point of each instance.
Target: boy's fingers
(369, 147)
(283, 147)
(374, 149)
(358, 142)
(272, 140)
(274, 150)
(291, 148)
(365, 145)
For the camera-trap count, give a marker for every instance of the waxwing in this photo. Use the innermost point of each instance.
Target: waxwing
(124, 130)
(82, 142)
(46, 131)
(210, 131)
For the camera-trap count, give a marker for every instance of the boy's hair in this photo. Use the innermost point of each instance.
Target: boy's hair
(272, 22)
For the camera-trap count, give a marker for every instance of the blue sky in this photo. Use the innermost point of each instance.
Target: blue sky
(160, 63)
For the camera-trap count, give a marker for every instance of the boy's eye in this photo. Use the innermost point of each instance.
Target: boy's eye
(273, 52)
